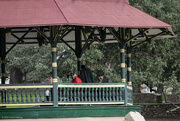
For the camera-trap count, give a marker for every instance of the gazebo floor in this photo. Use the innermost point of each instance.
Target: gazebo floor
(67, 111)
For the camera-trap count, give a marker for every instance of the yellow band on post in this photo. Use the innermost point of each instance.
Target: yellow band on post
(53, 49)
(123, 80)
(78, 59)
(54, 64)
(122, 50)
(128, 55)
(3, 74)
(88, 34)
(129, 83)
(78, 72)
(129, 68)
(55, 80)
(2, 61)
(9, 33)
(122, 65)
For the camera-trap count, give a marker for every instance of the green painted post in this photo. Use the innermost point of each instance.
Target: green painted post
(125, 94)
(78, 45)
(122, 53)
(3, 53)
(3, 56)
(129, 49)
(54, 73)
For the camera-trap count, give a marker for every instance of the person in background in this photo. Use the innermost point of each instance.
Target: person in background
(75, 78)
(47, 95)
(86, 75)
(51, 79)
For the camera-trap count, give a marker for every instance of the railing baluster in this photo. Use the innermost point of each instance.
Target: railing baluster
(106, 94)
(78, 95)
(113, 91)
(60, 94)
(22, 100)
(64, 95)
(117, 95)
(71, 93)
(92, 94)
(36, 97)
(85, 95)
(100, 95)
(40, 94)
(67, 93)
(89, 94)
(103, 94)
(82, 96)
(110, 94)
(50, 94)
(120, 94)
(17, 95)
(12, 95)
(96, 94)
(8, 100)
(4, 97)
(26, 91)
(75, 96)
(44, 93)
(31, 93)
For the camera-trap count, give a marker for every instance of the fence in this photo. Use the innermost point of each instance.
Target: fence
(67, 94)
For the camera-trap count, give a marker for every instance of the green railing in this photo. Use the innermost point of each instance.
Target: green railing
(67, 94)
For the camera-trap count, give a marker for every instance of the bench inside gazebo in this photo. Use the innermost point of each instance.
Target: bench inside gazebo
(80, 23)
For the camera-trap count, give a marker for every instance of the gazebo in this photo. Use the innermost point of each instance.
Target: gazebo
(82, 23)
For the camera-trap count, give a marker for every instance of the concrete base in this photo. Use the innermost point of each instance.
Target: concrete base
(72, 119)
(67, 111)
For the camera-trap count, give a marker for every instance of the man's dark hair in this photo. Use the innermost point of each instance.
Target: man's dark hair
(83, 66)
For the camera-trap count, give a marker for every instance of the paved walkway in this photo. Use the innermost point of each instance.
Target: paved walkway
(71, 119)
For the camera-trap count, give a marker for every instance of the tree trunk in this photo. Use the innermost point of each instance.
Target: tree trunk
(16, 75)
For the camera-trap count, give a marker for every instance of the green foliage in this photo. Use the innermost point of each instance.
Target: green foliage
(157, 62)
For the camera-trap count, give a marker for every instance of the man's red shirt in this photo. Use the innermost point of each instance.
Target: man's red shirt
(77, 80)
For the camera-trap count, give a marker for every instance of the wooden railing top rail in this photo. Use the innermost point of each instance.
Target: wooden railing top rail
(67, 85)
(23, 86)
(93, 85)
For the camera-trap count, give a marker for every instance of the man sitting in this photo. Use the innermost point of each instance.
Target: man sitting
(75, 78)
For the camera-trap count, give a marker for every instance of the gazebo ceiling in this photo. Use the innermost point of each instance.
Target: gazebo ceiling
(16, 14)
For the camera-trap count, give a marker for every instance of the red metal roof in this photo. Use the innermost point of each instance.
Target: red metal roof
(107, 13)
